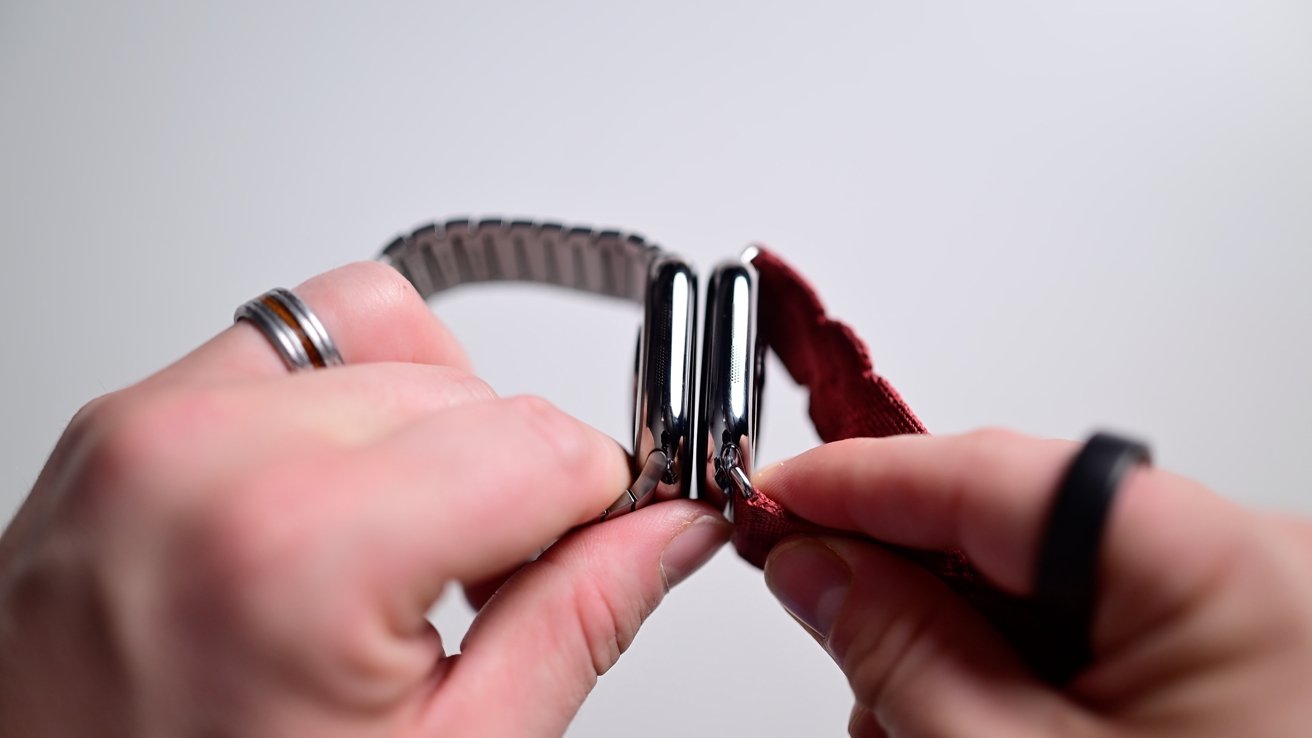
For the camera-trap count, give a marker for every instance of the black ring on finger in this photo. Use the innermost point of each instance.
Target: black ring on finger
(1066, 576)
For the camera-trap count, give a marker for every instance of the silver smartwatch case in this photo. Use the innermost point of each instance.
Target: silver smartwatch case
(733, 371)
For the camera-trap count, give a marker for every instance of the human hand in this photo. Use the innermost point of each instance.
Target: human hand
(1204, 621)
(229, 549)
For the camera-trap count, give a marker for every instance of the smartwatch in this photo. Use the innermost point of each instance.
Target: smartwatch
(440, 256)
(848, 399)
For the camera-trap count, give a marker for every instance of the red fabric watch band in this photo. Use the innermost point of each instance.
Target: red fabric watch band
(849, 400)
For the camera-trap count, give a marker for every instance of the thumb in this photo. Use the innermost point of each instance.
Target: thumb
(920, 660)
(537, 647)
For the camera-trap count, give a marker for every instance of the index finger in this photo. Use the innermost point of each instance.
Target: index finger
(471, 491)
(989, 493)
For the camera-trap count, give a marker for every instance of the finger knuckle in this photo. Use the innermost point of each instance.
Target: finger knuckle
(129, 440)
(991, 438)
(608, 622)
(90, 415)
(84, 427)
(604, 633)
(985, 453)
(885, 661)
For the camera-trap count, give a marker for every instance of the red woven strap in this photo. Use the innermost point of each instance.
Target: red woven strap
(848, 400)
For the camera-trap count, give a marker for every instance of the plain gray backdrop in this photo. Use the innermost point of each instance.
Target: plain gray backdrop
(1053, 217)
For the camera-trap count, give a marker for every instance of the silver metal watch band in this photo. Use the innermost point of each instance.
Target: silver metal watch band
(440, 256)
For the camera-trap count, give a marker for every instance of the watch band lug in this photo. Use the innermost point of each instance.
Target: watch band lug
(654, 471)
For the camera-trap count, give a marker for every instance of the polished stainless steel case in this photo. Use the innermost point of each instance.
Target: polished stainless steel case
(732, 376)
(663, 412)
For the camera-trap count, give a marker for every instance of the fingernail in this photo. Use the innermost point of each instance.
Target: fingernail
(811, 582)
(692, 547)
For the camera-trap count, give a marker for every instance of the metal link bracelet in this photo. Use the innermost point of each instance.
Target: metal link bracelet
(441, 256)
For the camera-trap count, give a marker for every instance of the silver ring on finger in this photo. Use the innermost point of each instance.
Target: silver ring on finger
(292, 328)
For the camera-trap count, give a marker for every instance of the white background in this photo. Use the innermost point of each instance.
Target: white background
(1048, 216)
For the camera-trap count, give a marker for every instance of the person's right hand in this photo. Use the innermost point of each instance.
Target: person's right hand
(1204, 623)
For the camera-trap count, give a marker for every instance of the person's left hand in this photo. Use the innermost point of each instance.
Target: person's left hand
(228, 549)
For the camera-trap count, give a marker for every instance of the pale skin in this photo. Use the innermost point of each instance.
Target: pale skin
(1204, 624)
(229, 549)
